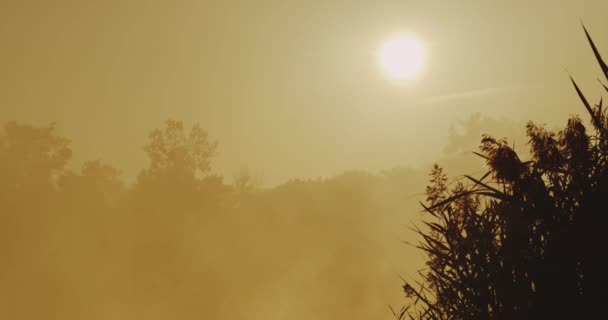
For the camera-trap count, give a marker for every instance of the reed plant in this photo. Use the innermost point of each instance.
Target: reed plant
(526, 239)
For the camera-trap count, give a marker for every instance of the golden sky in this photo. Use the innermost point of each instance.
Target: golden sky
(288, 88)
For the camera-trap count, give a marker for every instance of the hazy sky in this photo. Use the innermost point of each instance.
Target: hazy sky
(288, 88)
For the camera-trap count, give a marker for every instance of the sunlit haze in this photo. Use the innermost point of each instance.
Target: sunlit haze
(259, 160)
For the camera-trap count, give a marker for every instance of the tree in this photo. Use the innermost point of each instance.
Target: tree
(179, 163)
(523, 241)
(31, 158)
(171, 202)
(172, 149)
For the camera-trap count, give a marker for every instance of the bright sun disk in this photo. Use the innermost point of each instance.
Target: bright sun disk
(402, 57)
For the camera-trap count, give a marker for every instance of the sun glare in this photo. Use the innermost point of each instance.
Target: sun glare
(402, 57)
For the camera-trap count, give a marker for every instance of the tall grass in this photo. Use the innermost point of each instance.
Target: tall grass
(525, 240)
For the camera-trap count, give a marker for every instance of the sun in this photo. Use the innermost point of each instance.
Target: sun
(402, 57)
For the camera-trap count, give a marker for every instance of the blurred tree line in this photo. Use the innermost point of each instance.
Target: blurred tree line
(180, 242)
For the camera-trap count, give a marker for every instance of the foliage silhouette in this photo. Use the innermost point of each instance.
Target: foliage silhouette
(523, 241)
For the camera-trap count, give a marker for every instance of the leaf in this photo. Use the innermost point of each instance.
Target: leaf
(597, 53)
(393, 311)
(596, 120)
(481, 155)
(479, 183)
(427, 209)
(450, 199)
(603, 85)
(485, 175)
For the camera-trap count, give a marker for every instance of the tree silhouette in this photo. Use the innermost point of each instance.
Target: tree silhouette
(175, 149)
(523, 241)
(179, 162)
(33, 157)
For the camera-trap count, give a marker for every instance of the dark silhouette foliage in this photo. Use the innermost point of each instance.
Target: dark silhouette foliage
(525, 241)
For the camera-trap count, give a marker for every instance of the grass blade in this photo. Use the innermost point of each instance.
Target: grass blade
(597, 53)
(596, 120)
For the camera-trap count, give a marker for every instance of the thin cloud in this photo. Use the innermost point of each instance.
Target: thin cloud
(485, 92)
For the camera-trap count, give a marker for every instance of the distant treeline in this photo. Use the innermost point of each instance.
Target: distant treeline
(180, 243)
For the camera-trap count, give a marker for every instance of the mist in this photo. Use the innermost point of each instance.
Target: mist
(250, 160)
(182, 242)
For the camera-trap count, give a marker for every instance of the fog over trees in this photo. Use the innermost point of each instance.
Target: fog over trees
(182, 241)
